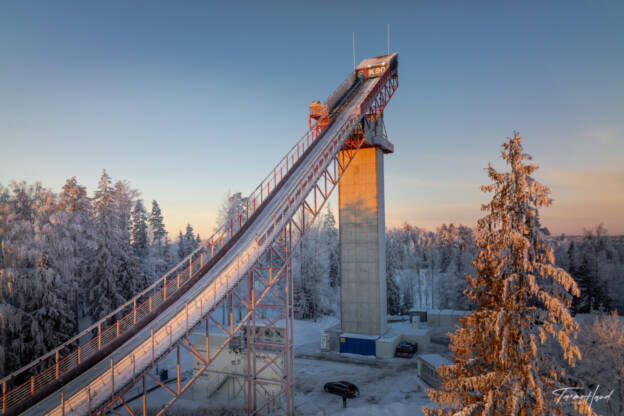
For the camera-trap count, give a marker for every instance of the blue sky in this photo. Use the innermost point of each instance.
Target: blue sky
(188, 100)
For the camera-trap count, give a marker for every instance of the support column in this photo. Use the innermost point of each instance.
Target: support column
(362, 244)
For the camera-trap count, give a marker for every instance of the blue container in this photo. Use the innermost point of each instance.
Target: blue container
(355, 345)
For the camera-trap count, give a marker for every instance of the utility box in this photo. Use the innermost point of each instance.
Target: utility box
(358, 344)
(325, 342)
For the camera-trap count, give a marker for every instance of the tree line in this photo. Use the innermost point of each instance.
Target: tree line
(426, 269)
(68, 258)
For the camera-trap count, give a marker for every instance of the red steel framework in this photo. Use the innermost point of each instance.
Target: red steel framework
(261, 291)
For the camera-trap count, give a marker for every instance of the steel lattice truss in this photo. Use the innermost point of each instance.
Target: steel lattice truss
(263, 292)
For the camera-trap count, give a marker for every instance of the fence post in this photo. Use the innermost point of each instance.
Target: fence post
(99, 336)
(78, 354)
(134, 308)
(62, 403)
(56, 357)
(150, 303)
(32, 385)
(152, 336)
(112, 378)
(117, 327)
(165, 288)
(178, 280)
(4, 397)
(190, 266)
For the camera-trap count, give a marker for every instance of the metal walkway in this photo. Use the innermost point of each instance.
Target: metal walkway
(246, 261)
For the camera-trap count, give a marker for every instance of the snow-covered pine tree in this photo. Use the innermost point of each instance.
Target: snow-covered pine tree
(52, 318)
(521, 301)
(74, 225)
(181, 246)
(309, 274)
(104, 292)
(393, 295)
(131, 276)
(157, 226)
(330, 239)
(157, 236)
(168, 256)
(35, 311)
(407, 299)
(114, 272)
(601, 342)
(190, 243)
(139, 230)
(233, 205)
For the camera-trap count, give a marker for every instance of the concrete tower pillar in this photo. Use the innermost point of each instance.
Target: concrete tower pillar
(362, 236)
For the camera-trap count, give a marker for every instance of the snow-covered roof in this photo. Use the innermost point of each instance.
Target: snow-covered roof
(435, 360)
(389, 337)
(378, 60)
(359, 336)
(406, 328)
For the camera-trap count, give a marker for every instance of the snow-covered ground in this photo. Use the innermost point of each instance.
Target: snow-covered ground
(391, 389)
(387, 387)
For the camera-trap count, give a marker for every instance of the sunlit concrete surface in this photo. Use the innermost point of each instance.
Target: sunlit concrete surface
(362, 244)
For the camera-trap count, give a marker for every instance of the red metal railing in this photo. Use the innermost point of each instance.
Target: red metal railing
(58, 362)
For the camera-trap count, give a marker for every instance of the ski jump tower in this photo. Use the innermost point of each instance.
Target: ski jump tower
(362, 237)
(246, 266)
(362, 231)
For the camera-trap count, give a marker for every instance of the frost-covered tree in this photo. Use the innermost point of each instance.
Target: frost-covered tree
(313, 292)
(306, 291)
(159, 249)
(182, 251)
(139, 230)
(187, 242)
(190, 242)
(601, 342)
(232, 207)
(394, 296)
(157, 226)
(52, 318)
(104, 289)
(330, 239)
(114, 273)
(168, 256)
(61, 257)
(75, 241)
(499, 366)
(35, 310)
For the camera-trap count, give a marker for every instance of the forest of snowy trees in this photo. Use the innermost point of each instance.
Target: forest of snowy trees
(70, 257)
(426, 269)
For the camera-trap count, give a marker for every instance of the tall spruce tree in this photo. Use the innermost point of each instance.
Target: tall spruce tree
(190, 243)
(522, 300)
(181, 246)
(157, 225)
(76, 241)
(139, 230)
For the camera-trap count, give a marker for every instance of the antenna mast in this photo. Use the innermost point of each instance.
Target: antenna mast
(353, 35)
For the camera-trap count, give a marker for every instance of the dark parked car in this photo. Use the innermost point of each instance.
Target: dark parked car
(342, 388)
(405, 350)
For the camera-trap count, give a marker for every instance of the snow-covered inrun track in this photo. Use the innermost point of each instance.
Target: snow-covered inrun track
(208, 275)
